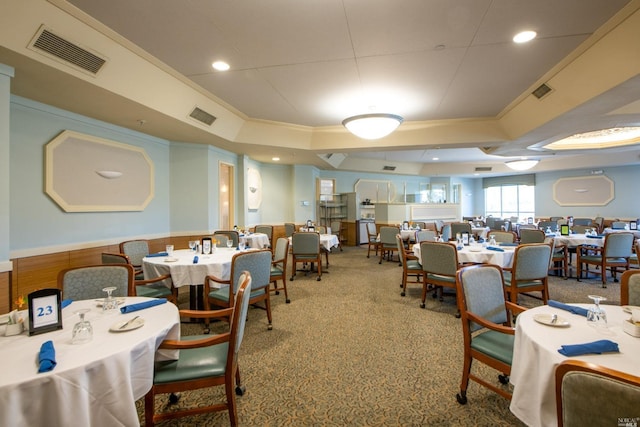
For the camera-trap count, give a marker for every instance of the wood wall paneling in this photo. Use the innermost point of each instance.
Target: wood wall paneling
(5, 297)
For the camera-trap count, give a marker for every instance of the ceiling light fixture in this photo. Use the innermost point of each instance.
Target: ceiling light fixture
(522, 164)
(372, 126)
(220, 66)
(524, 36)
(603, 138)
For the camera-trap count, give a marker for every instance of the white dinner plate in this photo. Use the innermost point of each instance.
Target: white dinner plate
(545, 319)
(117, 327)
(628, 308)
(118, 300)
(170, 259)
(475, 248)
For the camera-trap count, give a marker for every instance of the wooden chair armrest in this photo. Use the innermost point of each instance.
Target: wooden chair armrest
(154, 280)
(203, 342)
(411, 256)
(490, 325)
(514, 308)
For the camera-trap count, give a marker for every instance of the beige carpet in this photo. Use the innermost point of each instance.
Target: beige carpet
(350, 351)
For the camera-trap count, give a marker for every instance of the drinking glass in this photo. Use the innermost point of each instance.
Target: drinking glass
(109, 303)
(82, 331)
(241, 246)
(192, 245)
(229, 243)
(596, 316)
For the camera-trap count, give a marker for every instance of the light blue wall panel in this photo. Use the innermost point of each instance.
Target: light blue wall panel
(36, 221)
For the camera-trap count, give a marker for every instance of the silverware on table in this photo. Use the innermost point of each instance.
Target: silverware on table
(128, 322)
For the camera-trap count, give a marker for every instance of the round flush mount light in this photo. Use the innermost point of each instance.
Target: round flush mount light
(522, 164)
(220, 66)
(524, 36)
(372, 126)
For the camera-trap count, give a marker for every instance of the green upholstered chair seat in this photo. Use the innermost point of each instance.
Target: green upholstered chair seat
(310, 257)
(153, 291)
(522, 284)
(598, 259)
(440, 277)
(203, 362)
(222, 294)
(276, 270)
(413, 264)
(494, 344)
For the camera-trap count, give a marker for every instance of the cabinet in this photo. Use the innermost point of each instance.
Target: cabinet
(332, 207)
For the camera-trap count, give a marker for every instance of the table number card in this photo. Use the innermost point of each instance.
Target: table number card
(45, 311)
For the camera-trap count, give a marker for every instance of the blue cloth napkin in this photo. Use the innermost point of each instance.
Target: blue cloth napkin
(142, 305)
(158, 254)
(459, 247)
(572, 308)
(599, 236)
(596, 347)
(47, 357)
(195, 259)
(495, 248)
(508, 244)
(65, 303)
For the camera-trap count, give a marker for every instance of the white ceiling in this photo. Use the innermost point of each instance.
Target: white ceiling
(315, 62)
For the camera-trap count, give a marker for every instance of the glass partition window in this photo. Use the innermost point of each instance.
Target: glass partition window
(505, 201)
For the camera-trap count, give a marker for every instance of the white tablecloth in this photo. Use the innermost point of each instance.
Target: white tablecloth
(96, 383)
(536, 357)
(636, 233)
(481, 232)
(465, 255)
(327, 241)
(255, 240)
(184, 272)
(578, 239)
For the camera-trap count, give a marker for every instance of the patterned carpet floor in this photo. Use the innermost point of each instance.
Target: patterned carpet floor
(350, 351)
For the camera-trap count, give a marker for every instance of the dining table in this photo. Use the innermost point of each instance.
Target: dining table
(536, 356)
(255, 240)
(479, 254)
(92, 384)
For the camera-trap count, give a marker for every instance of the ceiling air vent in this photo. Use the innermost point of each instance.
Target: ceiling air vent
(202, 116)
(388, 168)
(541, 91)
(45, 41)
(483, 169)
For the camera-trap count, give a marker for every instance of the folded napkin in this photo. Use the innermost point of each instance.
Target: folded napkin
(508, 244)
(47, 357)
(65, 303)
(142, 305)
(157, 254)
(572, 308)
(459, 247)
(596, 347)
(195, 259)
(599, 236)
(495, 248)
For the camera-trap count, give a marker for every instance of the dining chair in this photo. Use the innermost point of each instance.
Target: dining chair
(220, 240)
(305, 248)
(136, 250)
(544, 225)
(421, 224)
(531, 236)
(88, 282)
(503, 236)
(591, 395)
(460, 227)
(613, 255)
(158, 287)
(580, 229)
(445, 232)
(440, 264)
(372, 238)
(338, 230)
(387, 244)
(231, 234)
(486, 326)
(426, 236)
(410, 265)
(256, 262)
(619, 225)
(289, 229)
(529, 271)
(583, 221)
(559, 257)
(630, 288)
(599, 223)
(266, 229)
(279, 267)
(204, 361)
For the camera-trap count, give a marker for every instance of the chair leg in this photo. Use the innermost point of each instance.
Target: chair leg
(267, 303)
(149, 407)
(424, 294)
(464, 384)
(319, 268)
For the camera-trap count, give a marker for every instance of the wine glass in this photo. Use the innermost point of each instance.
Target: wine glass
(109, 302)
(192, 245)
(229, 243)
(596, 316)
(82, 331)
(241, 246)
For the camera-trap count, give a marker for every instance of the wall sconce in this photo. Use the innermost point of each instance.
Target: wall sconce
(109, 174)
(253, 189)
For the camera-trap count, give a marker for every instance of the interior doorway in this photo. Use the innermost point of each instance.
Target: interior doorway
(226, 195)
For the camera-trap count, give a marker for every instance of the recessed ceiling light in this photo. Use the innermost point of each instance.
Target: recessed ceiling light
(436, 158)
(220, 66)
(275, 159)
(524, 36)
